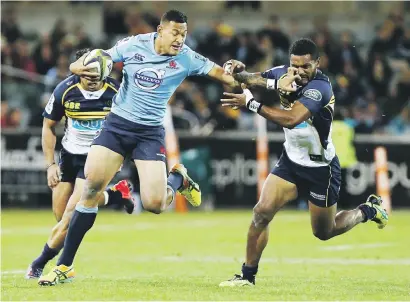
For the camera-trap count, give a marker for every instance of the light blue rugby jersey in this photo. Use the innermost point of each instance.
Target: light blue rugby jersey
(149, 79)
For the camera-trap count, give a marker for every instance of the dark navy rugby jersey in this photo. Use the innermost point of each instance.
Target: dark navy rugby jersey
(309, 143)
(84, 111)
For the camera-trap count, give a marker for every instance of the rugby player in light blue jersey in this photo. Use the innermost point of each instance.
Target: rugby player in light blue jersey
(155, 64)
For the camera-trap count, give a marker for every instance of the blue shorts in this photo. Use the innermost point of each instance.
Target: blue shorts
(320, 185)
(131, 139)
(71, 166)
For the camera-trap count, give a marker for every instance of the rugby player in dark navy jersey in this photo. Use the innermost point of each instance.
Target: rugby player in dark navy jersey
(309, 165)
(84, 104)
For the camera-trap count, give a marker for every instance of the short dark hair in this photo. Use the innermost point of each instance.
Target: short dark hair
(79, 53)
(303, 47)
(174, 15)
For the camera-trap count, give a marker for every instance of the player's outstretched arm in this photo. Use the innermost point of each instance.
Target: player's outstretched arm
(252, 80)
(258, 80)
(81, 70)
(285, 118)
(218, 74)
(237, 70)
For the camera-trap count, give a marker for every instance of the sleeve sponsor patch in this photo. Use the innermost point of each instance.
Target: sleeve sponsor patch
(313, 94)
(50, 104)
(200, 57)
(122, 41)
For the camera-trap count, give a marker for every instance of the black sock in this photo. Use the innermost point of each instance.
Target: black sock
(114, 197)
(175, 181)
(249, 272)
(369, 212)
(80, 223)
(46, 255)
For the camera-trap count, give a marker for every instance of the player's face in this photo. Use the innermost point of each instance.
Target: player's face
(306, 67)
(91, 85)
(173, 36)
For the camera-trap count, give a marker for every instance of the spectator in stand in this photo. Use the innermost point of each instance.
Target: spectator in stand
(273, 29)
(379, 75)
(248, 50)
(58, 73)
(58, 33)
(4, 111)
(347, 54)
(82, 40)
(9, 27)
(21, 57)
(43, 55)
(12, 119)
(382, 44)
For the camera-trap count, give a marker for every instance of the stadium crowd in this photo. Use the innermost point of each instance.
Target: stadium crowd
(371, 81)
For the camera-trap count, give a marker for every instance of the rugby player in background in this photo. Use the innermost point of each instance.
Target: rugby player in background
(84, 104)
(308, 164)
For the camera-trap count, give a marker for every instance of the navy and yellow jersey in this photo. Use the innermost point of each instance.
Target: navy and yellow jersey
(309, 143)
(84, 111)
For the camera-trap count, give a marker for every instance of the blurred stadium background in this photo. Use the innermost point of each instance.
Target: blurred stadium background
(365, 49)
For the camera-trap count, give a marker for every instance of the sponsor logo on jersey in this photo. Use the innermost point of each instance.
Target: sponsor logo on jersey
(139, 57)
(92, 125)
(149, 78)
(313, 94)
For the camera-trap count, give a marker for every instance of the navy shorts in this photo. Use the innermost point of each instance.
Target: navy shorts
(320, 185)
(71, 166)
(131, 139)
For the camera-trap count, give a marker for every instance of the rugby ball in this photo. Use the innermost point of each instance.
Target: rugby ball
(99, 61)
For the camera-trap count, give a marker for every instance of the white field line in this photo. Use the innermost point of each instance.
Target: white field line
(222, 259)
(345, 247)
(138, 226)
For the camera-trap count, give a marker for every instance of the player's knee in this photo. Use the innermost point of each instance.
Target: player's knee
(93, 186)
(322, 235)
(262, 215)
(153, 203)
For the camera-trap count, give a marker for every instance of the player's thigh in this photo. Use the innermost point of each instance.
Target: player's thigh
(60, 195)
(101, 166)
(279, 187)
(153, 182)
(322, 219)
(323, 197)
(276, 192)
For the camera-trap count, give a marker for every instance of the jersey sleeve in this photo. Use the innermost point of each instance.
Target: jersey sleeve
(113, 82)
(199, 65)
(54, 109)
(122, 49)
(316, 95)
(274, 73)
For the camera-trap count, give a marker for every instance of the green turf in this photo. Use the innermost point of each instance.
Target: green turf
(184, 257)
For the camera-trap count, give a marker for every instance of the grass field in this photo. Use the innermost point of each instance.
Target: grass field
(184, 257)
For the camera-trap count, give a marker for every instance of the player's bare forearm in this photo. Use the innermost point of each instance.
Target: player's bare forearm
(281, 117)
(217, 73)
(286, 118)
(252, 80)
(48, 140)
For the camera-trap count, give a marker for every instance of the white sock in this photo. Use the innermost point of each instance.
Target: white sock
(106, 197)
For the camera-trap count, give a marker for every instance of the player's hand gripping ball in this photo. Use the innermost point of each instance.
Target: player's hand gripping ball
(99, 61)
